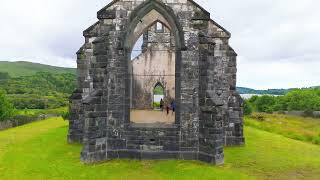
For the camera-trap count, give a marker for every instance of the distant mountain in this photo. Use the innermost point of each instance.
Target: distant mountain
(243, 90)
(22, 68)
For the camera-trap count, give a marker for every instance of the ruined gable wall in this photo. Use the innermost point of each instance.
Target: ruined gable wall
(188, 78)
(203, 88)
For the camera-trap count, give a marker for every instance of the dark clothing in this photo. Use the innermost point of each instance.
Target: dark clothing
(173, 106)
(161, 105)
(168, 109)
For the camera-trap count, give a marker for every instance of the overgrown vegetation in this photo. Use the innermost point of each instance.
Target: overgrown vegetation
(25, 116)
(43, 90)
(156, 104)
(24, 99)
(36, 112)
(307, 100)
(294, 127)
(6, 108)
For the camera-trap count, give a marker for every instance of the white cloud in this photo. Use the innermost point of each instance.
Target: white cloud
(45, 31)
(277, 40)
(285, 73)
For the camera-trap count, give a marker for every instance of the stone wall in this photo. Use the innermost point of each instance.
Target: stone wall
(208, 112)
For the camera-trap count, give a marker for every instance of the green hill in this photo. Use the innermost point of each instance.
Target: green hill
(36, 86)
(22, 68)
(39, 151)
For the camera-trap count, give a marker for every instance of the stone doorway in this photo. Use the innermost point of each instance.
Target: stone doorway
(158, 97)
(152, 76)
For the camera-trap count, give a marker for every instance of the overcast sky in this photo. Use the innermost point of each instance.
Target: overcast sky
(278, 41)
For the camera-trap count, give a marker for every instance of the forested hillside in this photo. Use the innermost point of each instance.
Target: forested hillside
(22, 68)
(36, 86)
(244, 90)
(40, 91)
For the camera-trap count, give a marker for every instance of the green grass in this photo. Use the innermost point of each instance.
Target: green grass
(39, 151)
(41, 111)
(16, 69)
(295, 127)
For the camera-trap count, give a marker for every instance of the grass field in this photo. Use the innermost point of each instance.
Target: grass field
(39, 151)
(295, 127)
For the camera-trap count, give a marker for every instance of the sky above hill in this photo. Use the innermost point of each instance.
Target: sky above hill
(277, 40)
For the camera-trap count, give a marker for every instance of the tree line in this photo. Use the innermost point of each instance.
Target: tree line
(307, 100)
(43, 90)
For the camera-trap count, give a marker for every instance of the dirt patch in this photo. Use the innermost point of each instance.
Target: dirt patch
(152, 116)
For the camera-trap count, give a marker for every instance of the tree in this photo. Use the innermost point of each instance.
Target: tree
(265, 103)
(303, 100)
(247, 108)
(6, 108)
(4, 76)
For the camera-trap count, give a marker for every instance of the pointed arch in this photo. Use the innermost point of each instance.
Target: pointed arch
(168, 19)
(166, 16)
(158, 84)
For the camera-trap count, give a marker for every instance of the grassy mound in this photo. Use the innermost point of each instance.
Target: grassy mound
(294, 127)
(39, 151)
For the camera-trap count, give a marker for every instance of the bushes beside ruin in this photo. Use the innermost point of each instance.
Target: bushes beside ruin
(6, 108)
(306, 100)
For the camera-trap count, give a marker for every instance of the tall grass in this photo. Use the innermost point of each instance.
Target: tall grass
(294, 127)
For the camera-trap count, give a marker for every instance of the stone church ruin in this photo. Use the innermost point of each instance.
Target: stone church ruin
(185, 60)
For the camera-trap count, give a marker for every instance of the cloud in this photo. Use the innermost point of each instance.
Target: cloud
(277, 40)
(285, 73)
(45, 31)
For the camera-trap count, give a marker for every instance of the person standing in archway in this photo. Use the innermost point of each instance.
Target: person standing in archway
(161, 104)
(173, 106)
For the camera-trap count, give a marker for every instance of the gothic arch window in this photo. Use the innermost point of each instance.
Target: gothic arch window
(158, 95)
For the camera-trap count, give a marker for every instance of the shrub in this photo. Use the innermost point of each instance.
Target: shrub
(307, 100)
(6, 108)
(247, 108)
(258, 116)
(65, 115)
(265, 103)
(316, 140)
(156, 104)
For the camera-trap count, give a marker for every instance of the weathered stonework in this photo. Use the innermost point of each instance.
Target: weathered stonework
(209, 113)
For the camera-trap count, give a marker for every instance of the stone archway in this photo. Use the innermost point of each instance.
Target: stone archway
(145, 15)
